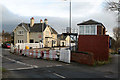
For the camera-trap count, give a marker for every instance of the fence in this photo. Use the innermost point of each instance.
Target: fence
(61, 55)
(33, 45)
(83, 58)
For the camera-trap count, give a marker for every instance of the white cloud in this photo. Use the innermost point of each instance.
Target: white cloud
(81, 10)
(50, 7)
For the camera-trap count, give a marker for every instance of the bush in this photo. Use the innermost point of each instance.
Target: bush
(100, 63)
(114, 53)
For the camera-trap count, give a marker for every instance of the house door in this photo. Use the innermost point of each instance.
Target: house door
(62, 43)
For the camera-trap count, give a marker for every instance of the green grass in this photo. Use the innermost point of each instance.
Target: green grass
(3, 69)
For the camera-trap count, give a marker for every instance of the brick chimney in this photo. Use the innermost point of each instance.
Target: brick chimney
(46, 21)
(31, 22)
(41, 21)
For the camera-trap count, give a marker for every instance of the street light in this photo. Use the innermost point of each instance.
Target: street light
(70, 15)
(70, 22)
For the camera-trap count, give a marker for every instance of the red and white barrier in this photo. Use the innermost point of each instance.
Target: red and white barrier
(52, 54)
(39, 54)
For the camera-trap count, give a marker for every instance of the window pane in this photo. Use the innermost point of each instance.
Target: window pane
(81, 29)
(87, 30)
(22, 41)
(92, 29)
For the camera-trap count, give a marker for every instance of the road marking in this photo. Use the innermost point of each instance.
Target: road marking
(20, 68)
(34, 66)
(49, 66)
(59, 75)
(58, 65)
(108, 76)
(7, 49)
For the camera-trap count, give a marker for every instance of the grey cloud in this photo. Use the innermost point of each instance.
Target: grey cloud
(10, 20)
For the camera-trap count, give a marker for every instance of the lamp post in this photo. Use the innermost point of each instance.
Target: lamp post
(70, 17)
(69, 20)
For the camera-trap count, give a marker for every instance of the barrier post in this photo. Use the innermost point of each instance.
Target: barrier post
(18, 51)
(36, 53)
(32, 53)
(44, 54)
(50, 54)
(21, 51)
(47, 54)
(25, 52)
(39, 54)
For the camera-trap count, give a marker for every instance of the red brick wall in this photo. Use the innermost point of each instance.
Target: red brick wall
(83, 58)
(96, 44)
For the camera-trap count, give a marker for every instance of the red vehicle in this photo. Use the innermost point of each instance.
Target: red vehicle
(6, 45)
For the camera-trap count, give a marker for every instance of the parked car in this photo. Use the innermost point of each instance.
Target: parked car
(6, 45)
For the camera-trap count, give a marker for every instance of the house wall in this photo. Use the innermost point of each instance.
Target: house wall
(28, 37)
(67, 41)
(58, 42)
(54, 37)
(100, 30)
(96, 44)
(20, 37)
(36, 36)
(61, 42)
(47, 37)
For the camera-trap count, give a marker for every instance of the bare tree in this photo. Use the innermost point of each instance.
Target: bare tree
(113, 6)
(116, 32)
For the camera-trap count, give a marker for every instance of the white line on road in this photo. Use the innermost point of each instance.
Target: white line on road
(21, 68)
(33, 66)
(58, 65)
(59, 75)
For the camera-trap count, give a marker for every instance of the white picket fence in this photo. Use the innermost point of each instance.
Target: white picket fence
(33, 45)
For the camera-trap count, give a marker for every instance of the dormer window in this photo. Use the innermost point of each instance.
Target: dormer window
(20, 32)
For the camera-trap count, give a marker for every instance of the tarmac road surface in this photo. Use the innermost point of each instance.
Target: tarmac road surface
(26, 67)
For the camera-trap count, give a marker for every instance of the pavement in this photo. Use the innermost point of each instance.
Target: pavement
(26, 67)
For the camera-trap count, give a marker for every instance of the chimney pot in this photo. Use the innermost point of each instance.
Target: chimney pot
(46, 21)
(31, 22)
(41, 21)
(32, 18)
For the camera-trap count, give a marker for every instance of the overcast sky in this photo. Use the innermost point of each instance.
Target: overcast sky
(57, 11)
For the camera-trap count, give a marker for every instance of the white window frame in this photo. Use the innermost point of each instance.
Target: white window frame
(84, 33)
(20, 41)
(22, 32)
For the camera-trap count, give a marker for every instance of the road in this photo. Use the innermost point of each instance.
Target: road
(26, 67)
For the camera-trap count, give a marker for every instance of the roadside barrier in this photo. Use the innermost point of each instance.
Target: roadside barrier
(62, 55)
(39, 54)
(65, 56)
